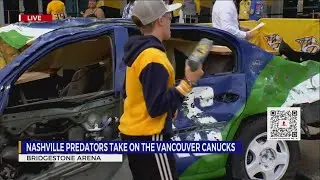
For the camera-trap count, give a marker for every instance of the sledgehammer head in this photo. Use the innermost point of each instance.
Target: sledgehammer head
(199, 54)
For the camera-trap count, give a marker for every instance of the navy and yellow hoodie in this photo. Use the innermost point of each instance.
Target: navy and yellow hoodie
(150, 95)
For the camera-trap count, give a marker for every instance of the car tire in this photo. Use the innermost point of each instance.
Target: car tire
(249, 131)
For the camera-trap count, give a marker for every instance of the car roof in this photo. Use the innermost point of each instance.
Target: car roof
(80, 24)
(71, 27)
(70, 22)
(79, 21)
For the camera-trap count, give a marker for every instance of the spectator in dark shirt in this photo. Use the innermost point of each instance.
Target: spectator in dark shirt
(93, 10)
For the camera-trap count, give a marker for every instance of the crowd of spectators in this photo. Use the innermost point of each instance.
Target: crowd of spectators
(225, 15)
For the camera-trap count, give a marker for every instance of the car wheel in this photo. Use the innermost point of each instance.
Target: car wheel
(263, 159)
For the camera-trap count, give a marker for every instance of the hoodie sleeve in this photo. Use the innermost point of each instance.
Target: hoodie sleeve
(159, 99)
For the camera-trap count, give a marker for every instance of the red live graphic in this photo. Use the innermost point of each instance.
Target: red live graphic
(34, 17)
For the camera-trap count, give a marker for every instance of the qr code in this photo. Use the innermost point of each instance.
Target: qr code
(283, 123)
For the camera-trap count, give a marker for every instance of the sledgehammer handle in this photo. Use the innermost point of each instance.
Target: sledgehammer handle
(199, 54)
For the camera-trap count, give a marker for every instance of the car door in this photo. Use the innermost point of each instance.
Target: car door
(216, 99)
(15, 69)
(93, 105)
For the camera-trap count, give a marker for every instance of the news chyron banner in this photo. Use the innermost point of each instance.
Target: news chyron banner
(112, 151)
(35, 17)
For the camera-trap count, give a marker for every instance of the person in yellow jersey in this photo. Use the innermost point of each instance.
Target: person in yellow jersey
(198, 6)
(57, 9)
(244, 10)
(151, 98)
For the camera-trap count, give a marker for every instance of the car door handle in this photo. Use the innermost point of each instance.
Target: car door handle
(227, 97)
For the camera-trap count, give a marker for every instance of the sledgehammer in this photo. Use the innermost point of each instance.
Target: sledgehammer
(199, 54)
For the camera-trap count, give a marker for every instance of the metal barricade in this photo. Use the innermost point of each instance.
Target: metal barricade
(11, 16)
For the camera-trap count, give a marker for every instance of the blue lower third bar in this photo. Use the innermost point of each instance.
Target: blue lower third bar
(125, 147)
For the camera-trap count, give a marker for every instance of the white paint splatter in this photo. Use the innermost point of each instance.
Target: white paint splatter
(173, 127)
(176, 138)
(214, 136)
(197, 137)
(205, 94)
(306, 92)
(207, 120)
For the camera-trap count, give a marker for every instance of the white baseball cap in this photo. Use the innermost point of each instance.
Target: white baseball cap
(148, 11)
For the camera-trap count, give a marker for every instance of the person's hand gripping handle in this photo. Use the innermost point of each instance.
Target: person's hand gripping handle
(193, 66)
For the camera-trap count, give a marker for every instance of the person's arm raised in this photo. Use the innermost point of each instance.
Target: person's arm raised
(100, 14)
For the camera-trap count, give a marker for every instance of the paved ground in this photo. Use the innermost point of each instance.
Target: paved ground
(310, 157)
(310, 165)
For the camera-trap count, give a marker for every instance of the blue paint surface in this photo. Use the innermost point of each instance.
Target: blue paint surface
(221, 111)
(254, 60)
(121, 37)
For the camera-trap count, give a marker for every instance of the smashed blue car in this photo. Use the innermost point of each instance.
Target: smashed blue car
(66, 85)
